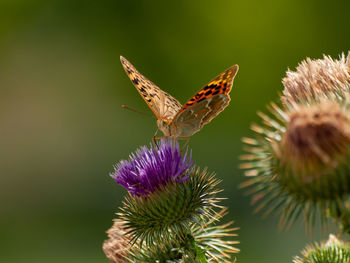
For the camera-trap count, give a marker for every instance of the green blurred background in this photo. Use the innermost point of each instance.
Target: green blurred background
(62, 127)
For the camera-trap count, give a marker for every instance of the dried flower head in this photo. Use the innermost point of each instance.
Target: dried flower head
(150, 168)
(316, 77)
(117, 246)
(333, 251)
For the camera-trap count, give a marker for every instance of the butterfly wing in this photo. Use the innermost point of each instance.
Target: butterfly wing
(205, 105)
(163, 105)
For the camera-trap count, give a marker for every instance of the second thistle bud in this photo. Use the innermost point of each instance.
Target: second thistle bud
(299, 161)
(333, 251)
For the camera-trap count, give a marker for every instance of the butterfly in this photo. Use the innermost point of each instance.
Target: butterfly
(174, 119)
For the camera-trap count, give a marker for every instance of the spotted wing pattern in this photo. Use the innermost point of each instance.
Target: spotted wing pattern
(163, 105)
(205, 105)
(222, 84)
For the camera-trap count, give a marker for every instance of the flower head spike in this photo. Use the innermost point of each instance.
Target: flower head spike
(313, 78)
(150, 168)
(334, 251)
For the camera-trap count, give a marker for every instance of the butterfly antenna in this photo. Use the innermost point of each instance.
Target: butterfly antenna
(139, 112)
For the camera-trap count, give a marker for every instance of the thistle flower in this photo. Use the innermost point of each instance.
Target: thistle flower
(171, 207)
(148, 169)
(334, 251)
(117, 246)
(316, 77)
(298, 162)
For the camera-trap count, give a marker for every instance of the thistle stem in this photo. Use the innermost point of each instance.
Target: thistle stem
(200, 254)
(341, 213)
(193, 251)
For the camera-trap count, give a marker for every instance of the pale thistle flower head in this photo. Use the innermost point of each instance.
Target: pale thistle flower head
(313, 78)
(298, 161)
(117, 246)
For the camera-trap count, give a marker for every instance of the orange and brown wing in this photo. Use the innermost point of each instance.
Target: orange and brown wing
(205, 105)
(222, 84)
(161, 103)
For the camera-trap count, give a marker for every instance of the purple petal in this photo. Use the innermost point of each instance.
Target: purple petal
(149, 168)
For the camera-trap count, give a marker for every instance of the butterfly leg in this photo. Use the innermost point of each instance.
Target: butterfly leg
(154, 138)
(155, 143)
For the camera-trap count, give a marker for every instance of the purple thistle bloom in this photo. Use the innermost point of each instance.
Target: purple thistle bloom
(149, 168)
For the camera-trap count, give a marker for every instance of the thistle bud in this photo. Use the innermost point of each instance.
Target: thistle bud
(334, 251)
(298, 162)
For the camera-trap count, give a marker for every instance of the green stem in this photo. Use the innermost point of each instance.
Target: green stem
(341, 213)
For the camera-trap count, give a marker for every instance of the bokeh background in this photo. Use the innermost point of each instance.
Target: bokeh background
(62, 127)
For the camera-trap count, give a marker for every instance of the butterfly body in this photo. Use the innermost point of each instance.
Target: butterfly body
(175, 120)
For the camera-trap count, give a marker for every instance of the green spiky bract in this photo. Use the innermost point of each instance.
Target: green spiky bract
(169, 212)
(176, 252)
(277, 187)
(205, 243)
(162, 253)
(334, 251)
